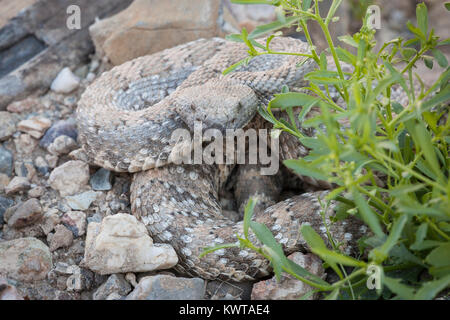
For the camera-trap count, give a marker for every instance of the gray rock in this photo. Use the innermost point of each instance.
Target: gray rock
(7, 125)
(75, 221)
(101, 180)
(62, 145)
(17, 184)
(25, 259)
(81, 201)
(116, 283)
(6, 161)
(163, 287)
(59, 128)
(8, 291)
(41, 165)
(26, 214)
(5, 203)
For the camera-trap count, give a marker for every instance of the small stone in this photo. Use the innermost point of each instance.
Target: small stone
(26, 214)
(81, 201)
(75, 221)
(52, 160)
(35, 126)
(121, 244)
(5, 203)
(7, 125)
(69, 178)
(25, 169)
(116, 283)
(17, 184)
(8, 291)
(50, 221)
(79, 154)
(289, 288)
(25, 144)
(101, 180)
(25, 259)
(6, 161)
(164, 287)
(36, 192)
(62, 238)
(60, 128)
(24, 105)
(65, 81)
(4, 181)
(62, 145)
(42, 165)
(131, 278)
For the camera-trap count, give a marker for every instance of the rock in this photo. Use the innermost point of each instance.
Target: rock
(142, 29)
(17, 184)
(25, 144)
(121, 244)
(7, 125)
(116, 283)
(36, 192)
(8, 291)
(65, 81)
(25, 169)
(101, 180)
(289, 288)
(5, 203)
(69, 178)
(81, 201)
(75, 221)
(63, 237)
(62, 145)
(163, 287)
(59, 128)
(52, 160)
(25, 259)
(79, 154)
(4, 181)
(50, 221)
(35, 126)
(25, 105)
(6, 161)
(41, 165)
(26, 214)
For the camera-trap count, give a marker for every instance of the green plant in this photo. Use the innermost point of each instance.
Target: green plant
(408, 216)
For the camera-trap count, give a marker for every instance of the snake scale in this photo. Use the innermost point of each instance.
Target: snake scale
(127, 116)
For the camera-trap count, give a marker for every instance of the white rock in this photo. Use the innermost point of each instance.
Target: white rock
(65, 81)
(121, 244)
(69, 178)
(62, 145)
(35, 126)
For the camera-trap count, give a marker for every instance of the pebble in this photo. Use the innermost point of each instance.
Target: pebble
(7, 125)
(25, 169)
(27, 104)
(8, 291)
(6, 161)
(4, 181)
(5, 203)
(75, 221)
(25, 259)
(164, 287)
(70, 177)
(81, 201)
(101, 180)
(65, 81)
(17, 184)
(52, 160)
(62, 145)
(60, 128)
(26, 214)
(35, 126)
(41, 165)
(116, 283)
(120, 244)
(62, 238)
(25, 144)
(50, 221)
(36, 192)
(289, 288)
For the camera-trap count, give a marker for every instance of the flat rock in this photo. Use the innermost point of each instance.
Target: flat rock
(70, 177)
(101, 180)
(25, 105)
(26, 214)
(35, 126)
(164, 287)
(81, 201)
(121, 244)
(25, 259)
(289, 288)
(141, 29)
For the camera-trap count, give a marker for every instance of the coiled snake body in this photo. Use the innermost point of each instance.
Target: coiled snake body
(126, 119)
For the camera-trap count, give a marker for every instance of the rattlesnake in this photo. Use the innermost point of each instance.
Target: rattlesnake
(126, 118)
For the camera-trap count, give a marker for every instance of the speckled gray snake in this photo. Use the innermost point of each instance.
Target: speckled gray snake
(126, 118)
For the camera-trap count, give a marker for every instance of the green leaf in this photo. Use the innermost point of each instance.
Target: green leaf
(335, 257)
(304, 168)
(368, 216)
(208, 250)
(346, 56)
(439, 258)
(292, 99)
(422, 18)
(392, 239)
(271, 27)
(440, 58)
(248, 212)
(401, 290)
(333, 295)
(231, 68)
(428, 62)
(430, 289)
(349, 40)
(447, 6)
(306, 4)
(441, 97)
